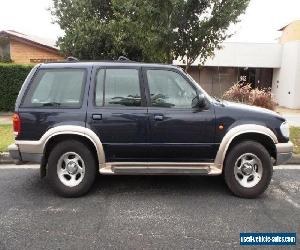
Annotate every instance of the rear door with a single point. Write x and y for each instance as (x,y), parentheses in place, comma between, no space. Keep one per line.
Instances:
(178,132)
(117,112)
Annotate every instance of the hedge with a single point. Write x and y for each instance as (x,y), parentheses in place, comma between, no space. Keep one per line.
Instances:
(12,77)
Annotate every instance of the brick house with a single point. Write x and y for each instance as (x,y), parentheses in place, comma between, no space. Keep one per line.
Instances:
(24,49)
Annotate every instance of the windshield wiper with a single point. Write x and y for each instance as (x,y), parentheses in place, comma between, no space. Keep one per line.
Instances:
(51,104)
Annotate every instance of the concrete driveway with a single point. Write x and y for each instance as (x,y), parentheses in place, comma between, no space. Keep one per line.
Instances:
(141,212)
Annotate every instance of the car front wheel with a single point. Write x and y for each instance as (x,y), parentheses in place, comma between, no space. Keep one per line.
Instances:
(248,169)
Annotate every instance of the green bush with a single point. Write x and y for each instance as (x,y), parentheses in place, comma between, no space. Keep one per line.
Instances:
(12,77)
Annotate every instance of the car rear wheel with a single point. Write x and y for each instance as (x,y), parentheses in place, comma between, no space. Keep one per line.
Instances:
(248,169)
(71,168)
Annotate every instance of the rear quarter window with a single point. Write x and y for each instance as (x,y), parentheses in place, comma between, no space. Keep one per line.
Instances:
(56,88)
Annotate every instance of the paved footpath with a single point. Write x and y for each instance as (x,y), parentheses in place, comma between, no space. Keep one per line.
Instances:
(293,119)
(142,212)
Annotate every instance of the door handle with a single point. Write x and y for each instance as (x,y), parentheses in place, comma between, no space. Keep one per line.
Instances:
(97,116)
(158,117)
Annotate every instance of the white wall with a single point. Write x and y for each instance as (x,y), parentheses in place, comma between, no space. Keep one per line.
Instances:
(286,80)
(258,55)
(283,58)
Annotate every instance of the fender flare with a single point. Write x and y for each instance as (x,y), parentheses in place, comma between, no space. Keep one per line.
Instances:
(39,146)
(236,131)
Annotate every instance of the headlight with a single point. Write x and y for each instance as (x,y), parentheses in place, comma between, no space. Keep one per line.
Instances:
(285,130)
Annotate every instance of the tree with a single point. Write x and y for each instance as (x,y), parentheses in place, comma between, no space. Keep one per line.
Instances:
(145,30)
(201,26)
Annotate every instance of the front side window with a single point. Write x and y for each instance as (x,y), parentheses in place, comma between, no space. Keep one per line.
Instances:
(169,89)
(117,87)
(56,88)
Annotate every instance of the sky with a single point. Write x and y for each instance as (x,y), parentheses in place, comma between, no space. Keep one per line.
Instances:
(259,24)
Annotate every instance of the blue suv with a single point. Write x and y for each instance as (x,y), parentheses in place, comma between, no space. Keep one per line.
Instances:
(78,119)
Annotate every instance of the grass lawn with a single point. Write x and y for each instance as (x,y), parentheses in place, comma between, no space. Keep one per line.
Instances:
(295,138)
(6,136)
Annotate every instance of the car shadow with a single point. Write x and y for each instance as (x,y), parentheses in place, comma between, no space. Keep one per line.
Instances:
(193,185)
(158,184)
(130,187)
(105,185)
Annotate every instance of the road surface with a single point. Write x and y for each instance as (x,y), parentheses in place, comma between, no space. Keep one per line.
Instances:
(141,212)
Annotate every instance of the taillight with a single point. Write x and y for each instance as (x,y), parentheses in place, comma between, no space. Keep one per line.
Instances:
(16,124)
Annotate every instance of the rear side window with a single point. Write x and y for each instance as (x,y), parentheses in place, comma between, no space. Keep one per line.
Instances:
(117,87)
(56,88)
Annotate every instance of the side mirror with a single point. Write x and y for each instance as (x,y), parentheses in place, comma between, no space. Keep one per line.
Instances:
(199,101)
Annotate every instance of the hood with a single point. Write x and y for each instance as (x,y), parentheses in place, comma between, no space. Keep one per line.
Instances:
(250,109)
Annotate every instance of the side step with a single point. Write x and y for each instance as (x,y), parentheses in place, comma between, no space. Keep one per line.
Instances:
(159,168)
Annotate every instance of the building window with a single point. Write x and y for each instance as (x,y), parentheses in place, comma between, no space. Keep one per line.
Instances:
(4,50)
(257,77)
(217,80)
(42,60)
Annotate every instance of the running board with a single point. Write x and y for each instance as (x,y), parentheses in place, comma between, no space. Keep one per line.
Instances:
(159,168)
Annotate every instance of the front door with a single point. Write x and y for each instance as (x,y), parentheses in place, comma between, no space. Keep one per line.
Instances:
(117,112)
(178,132)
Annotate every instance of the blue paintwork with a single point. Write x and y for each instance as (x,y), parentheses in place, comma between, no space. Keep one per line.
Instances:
(233,114)
(132,133)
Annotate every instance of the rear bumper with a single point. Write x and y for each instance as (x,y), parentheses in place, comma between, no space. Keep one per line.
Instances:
(16,154)
(284,152)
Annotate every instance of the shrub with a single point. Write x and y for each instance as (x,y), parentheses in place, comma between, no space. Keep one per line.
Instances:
(11,78)
(238,93)
(262,98)
(245,94)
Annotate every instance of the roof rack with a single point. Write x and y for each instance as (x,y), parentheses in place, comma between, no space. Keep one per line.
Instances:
(123,58)
(120,59)
(72,59)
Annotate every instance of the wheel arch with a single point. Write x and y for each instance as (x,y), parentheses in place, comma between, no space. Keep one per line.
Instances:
(59,133)
(50,144)
(244,132)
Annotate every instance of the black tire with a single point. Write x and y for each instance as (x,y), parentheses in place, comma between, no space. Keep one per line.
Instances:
(89,174)
(232,157)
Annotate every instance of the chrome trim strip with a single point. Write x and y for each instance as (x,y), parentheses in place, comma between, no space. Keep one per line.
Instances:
(37,147)
(236,131)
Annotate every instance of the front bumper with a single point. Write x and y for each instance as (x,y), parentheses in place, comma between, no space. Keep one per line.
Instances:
(16,154)
(284,152)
